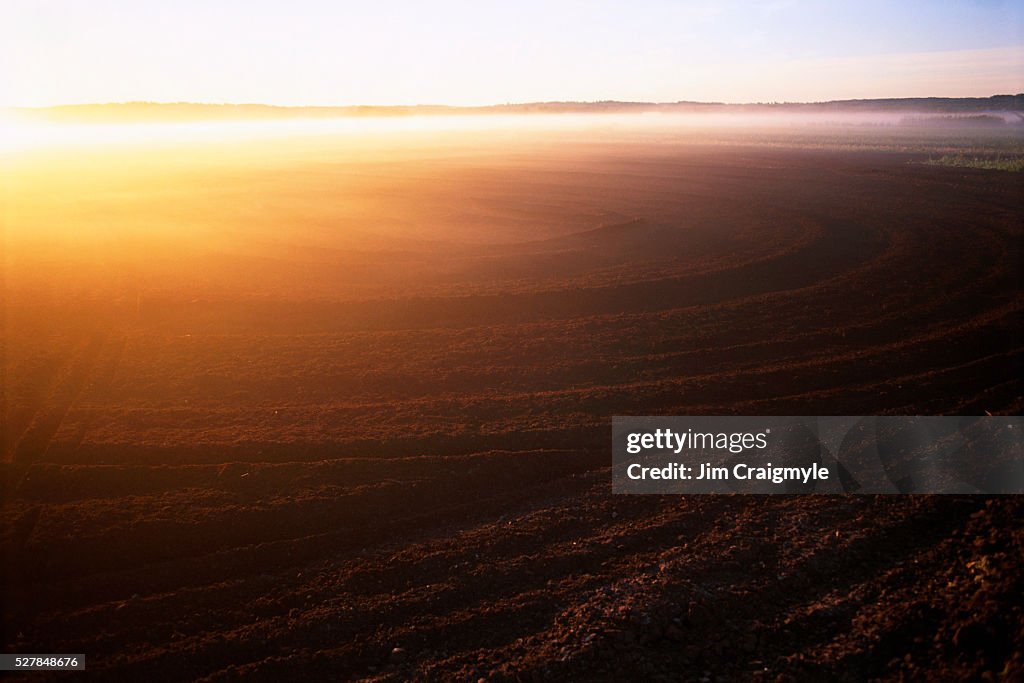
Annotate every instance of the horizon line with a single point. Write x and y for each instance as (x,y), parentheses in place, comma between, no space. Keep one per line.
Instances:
(493,105)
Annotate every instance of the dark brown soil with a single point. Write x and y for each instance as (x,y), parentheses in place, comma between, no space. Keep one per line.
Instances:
(411,480)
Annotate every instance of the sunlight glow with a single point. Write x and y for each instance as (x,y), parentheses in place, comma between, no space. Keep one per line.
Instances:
(21,134)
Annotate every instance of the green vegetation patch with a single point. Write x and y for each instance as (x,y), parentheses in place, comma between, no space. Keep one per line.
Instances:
(998,163)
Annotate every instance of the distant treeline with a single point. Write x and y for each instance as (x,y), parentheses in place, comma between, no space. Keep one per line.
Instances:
(189,111)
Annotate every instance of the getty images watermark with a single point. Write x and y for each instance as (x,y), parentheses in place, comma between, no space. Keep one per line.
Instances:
(818,454)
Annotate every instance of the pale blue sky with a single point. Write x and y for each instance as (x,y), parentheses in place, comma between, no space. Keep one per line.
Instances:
(480,52)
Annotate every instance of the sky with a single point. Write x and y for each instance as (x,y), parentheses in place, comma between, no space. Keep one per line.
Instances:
(467,52)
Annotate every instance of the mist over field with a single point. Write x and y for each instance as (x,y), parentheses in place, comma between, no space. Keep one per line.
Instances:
(166,196)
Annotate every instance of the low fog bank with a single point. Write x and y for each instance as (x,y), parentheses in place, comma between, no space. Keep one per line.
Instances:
(25,132)
(1006,107)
